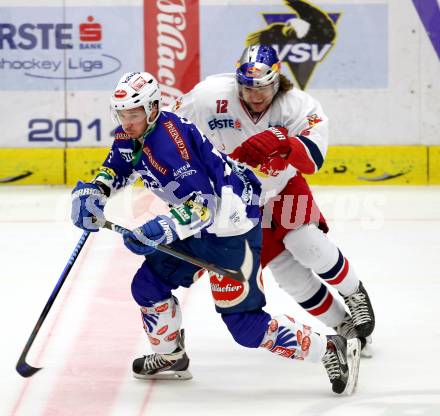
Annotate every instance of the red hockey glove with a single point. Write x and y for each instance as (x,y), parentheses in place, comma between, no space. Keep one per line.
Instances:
(259,148)
(240,155)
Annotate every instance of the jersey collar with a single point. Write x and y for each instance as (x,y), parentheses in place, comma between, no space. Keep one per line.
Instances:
(246,110)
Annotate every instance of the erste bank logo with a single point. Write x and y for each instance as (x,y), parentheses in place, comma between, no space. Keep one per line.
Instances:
(55,50)
(90,34)
(302,38)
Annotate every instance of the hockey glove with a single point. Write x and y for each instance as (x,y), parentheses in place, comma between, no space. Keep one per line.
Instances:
(145,239)
(88,202)
(260,147)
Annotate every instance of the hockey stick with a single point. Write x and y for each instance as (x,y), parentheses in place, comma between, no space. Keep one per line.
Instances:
(233,274)
(22,367)
(16,177)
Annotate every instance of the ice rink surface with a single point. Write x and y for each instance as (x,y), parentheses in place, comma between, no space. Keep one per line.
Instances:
(391,235)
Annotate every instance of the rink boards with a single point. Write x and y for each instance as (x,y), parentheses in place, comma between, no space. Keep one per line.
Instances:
(344,165)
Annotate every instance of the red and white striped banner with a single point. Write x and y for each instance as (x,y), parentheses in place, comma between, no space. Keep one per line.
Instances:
(171,39)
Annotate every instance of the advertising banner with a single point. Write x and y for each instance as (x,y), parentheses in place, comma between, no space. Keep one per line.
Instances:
(373,65)
(333,46)
(172,45)
(73,48)
(57,69)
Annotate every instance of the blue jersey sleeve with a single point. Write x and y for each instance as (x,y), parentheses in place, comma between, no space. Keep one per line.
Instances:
(117,170)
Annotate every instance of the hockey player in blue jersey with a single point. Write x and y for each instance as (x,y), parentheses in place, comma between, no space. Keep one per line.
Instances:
(214,215)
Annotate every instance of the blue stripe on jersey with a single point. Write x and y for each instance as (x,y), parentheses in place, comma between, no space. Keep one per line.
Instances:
(335,269)
(314,150)
(316,299)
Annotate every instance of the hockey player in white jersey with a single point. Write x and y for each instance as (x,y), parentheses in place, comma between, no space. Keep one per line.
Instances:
(257,117)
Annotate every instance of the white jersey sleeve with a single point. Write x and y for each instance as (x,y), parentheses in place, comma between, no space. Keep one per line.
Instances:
(185,106)
(197,103)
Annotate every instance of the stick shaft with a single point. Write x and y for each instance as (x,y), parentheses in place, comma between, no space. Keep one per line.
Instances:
(236,275)
(22,367)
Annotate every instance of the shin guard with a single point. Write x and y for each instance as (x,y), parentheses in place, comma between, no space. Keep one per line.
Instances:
(290,339)
(162,323)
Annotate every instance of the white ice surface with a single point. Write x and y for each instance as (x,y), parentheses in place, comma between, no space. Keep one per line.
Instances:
(93,332)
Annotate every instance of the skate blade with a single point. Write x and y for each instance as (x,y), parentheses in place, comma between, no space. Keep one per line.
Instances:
(174,375)
(353,359)
(367,351)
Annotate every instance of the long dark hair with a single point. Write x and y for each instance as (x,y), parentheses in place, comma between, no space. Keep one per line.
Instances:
(285,84)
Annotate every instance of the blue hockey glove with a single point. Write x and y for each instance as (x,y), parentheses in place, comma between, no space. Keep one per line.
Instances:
(88,206)
(145,239)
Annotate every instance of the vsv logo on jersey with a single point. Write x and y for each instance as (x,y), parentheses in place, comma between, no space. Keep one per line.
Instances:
(31,48)
(302,39)
(126,154)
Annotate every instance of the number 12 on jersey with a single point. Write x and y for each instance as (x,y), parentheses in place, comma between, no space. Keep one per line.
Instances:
(222,106)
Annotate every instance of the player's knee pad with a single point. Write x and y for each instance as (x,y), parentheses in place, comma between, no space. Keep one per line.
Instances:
(290,339)
(311,247)
(247,328)
(147,289)
(297,280)
(162,322)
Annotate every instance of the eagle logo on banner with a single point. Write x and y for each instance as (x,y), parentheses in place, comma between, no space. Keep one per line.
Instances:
(302,39)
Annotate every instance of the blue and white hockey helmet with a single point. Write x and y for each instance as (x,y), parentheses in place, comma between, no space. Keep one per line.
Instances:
(258,66)
(136,89)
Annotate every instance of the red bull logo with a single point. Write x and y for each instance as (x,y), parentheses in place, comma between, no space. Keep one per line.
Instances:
(252,71)
(313,120)
(271,167)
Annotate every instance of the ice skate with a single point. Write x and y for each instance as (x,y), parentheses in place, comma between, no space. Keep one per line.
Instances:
(341,362)
(366,349)
(347,329)
(173,366)
(361,311)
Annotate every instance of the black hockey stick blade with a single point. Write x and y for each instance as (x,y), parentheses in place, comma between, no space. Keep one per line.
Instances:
(233,274)
(26,370)
(10,179)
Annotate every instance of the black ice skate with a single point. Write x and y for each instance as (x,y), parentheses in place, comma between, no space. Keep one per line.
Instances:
(173,366)
(341,362)
(347,329)
(361,311)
